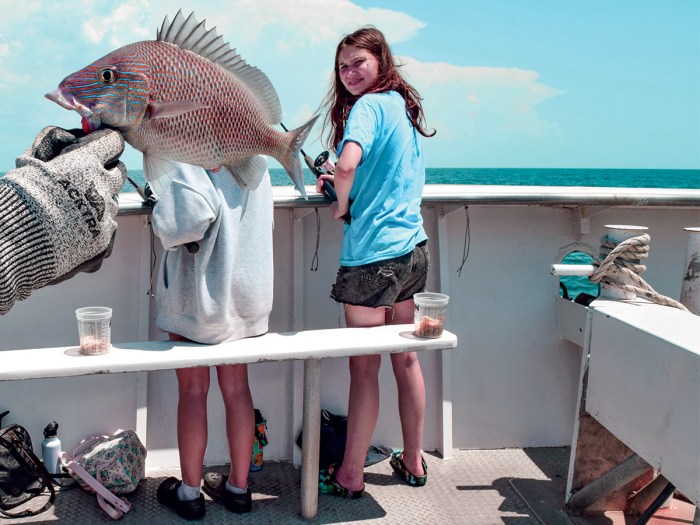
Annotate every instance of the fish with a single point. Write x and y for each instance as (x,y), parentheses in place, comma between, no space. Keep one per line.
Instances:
(187,96)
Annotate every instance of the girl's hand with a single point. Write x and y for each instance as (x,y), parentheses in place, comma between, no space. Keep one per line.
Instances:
(324,177)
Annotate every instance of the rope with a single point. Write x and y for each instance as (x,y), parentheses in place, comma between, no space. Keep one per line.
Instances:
(618,266)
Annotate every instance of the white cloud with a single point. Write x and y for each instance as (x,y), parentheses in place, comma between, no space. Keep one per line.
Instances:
(306,23)
(92,33)
(128,22)
(486,101)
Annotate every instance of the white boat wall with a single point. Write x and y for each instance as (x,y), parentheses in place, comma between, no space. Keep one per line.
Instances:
(512,381)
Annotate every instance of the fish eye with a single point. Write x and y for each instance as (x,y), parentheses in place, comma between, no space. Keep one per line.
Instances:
(107,75)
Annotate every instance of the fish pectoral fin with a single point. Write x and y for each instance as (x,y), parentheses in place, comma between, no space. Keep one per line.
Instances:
(173,108)
(158,173)
(248,172)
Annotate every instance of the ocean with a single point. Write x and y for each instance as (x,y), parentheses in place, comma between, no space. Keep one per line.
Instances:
(616,178)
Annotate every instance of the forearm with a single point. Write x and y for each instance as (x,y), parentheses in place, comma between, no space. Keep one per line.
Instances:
(344,178)
(185,210)
(27,261)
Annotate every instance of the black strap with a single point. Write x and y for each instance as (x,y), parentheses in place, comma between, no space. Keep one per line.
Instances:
(28,459)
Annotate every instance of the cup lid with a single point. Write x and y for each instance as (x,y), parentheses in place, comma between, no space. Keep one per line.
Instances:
(93,313)
(431,299)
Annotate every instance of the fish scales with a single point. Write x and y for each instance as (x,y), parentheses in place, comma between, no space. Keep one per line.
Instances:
(213,135)
(204,106)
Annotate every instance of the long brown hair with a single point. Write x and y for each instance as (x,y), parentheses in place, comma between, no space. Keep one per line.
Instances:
(339,101)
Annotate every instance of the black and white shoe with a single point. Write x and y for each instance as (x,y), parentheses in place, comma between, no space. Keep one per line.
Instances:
(167,495)
(215,486)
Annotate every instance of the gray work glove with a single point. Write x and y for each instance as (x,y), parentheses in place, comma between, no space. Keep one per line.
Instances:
(59,207)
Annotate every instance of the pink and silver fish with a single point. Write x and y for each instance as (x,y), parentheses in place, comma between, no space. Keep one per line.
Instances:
(187,96)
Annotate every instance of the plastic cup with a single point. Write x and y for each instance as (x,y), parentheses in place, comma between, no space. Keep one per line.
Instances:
(429,314)
(94,329)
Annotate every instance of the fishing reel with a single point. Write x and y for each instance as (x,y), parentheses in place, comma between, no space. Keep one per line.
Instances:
(320,167)
(316,167)
(321,160)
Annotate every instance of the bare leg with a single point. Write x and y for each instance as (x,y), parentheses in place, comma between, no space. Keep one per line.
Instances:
(192,422)
(363,403)
(411,391)
(240,420)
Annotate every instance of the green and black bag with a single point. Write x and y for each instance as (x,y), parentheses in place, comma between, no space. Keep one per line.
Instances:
(22,474)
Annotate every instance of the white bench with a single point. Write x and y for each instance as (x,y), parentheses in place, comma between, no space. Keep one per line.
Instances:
(310,346)
(640,380)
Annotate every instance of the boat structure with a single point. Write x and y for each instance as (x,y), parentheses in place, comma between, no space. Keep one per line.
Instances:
(549,408)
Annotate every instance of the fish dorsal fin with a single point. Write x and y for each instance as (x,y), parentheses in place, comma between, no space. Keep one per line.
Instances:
(192,35)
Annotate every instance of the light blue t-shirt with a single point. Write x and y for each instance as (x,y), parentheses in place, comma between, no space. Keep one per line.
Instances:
(388,187)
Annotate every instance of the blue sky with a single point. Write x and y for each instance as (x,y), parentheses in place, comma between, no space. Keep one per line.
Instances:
(506,83)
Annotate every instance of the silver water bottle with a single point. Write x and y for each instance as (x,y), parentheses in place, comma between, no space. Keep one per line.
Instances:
(51,449)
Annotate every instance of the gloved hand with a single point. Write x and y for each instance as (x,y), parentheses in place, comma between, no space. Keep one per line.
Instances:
(58,208)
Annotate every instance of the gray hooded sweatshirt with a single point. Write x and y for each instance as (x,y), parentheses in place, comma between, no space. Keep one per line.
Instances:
(223,292)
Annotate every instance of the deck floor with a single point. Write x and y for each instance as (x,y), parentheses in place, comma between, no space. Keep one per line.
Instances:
(475,487)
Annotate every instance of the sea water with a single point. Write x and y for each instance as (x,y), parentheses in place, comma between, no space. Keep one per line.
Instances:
(614,178)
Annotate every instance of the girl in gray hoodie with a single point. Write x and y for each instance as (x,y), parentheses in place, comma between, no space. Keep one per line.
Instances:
(215,285)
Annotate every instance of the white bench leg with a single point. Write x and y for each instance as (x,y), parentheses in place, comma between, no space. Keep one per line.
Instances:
(142,409)
(311,428)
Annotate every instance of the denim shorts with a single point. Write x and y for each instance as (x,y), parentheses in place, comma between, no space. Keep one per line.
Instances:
(383,283)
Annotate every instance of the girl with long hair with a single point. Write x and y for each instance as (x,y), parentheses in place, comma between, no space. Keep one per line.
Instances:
(375,122)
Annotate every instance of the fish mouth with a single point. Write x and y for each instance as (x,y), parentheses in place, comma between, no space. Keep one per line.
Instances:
(64,98)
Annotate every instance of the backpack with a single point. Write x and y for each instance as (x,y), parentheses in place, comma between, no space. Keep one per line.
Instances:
(22,474)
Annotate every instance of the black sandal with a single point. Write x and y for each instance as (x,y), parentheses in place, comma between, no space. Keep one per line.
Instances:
(327,484)
(402,472)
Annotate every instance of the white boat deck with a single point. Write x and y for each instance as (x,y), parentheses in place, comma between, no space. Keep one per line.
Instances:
(473,487)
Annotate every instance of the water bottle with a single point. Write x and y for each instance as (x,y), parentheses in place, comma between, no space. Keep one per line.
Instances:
(51,449)
(259,442)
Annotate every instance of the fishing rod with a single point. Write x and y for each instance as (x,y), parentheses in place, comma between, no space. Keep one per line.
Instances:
(315,167)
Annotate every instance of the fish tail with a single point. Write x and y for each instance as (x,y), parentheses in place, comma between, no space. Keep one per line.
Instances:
(292,161)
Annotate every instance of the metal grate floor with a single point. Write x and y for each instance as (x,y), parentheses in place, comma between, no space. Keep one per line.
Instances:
(475,487)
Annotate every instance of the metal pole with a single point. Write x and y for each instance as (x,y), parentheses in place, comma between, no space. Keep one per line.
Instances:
(581,270)
(312,438)
(660,499)
(690,288)
(618,476)
(643,499)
